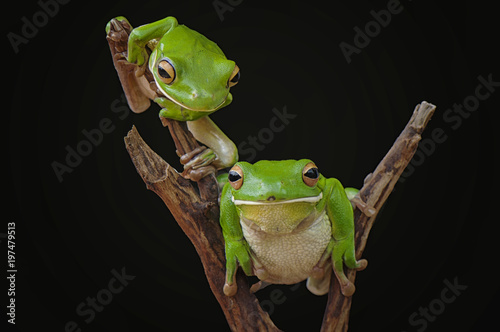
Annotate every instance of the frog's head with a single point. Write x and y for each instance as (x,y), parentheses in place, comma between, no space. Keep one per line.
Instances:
(192,71)
(276,195)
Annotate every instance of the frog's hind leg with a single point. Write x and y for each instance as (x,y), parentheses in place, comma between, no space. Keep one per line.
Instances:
(333,259)
(319,282)
(223,152)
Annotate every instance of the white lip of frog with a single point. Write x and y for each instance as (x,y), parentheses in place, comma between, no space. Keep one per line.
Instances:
(312,199)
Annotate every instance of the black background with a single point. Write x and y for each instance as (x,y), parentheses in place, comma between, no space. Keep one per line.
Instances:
(438,224)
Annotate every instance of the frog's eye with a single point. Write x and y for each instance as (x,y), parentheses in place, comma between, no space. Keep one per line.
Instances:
(236,177)
(310,174)
(235,77)
(166,71)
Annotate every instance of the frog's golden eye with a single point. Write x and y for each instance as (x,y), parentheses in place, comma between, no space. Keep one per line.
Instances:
(310,174)
(235,177)
(235,77)
(166,71)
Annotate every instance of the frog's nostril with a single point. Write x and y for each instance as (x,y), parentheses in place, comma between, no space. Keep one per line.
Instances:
(271,198)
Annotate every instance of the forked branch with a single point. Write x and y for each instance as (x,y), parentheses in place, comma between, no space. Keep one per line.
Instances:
(195,208)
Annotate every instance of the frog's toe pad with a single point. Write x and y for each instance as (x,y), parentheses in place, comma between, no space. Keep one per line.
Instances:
(348,289)
(362,264)
(199,173)
(230,290)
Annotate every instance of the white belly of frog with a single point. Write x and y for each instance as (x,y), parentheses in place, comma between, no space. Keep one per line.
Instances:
(288,258)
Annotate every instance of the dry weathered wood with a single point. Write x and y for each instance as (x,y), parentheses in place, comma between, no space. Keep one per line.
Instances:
(375,192)
(199,219)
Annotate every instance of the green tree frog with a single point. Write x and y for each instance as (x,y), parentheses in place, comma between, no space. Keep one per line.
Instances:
(284,222)
(189,77)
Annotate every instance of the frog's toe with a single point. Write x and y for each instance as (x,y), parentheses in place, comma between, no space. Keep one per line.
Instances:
(199,157)
(347,288)
(259,285)
(197,163)
(319,281)
(361,265)
(198,174)
(261,273)
(368,210)
(230,289)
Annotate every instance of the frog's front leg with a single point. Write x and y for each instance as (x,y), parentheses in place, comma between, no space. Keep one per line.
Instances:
(236,247)
(340,213)
(140,38)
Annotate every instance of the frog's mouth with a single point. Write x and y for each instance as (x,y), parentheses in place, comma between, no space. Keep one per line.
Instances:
(269,201)
(194,96)
(278,217)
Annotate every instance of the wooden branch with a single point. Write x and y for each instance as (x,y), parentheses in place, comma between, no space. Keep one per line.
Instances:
(376,189)
(196,210)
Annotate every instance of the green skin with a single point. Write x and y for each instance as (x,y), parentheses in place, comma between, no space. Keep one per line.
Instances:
(200,87)
(268,185)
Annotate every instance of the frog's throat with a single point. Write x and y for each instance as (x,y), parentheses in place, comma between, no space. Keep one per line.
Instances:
(186,107)
(312,199)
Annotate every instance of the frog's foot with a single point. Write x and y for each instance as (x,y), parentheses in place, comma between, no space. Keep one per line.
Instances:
(259,285)
(230,286)
(318,282)
(346,286)
(199,157)
(118,30)
(357,202)
(197,163)
(343,252)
